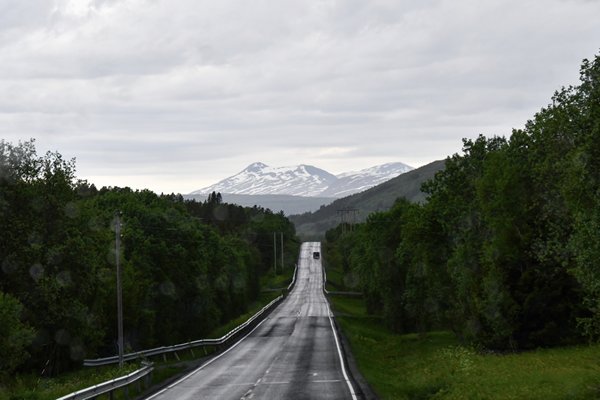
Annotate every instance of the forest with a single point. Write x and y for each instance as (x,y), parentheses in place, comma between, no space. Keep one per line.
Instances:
(505,250)
(188,267)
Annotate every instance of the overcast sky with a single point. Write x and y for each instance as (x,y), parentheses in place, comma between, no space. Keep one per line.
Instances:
(174,95)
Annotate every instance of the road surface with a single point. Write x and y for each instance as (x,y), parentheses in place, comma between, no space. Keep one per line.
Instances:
(293,354)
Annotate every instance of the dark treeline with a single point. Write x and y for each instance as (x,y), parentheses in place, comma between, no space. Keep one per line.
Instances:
(506,251)
(187,267)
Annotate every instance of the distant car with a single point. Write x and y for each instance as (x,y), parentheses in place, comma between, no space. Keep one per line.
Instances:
(316,255)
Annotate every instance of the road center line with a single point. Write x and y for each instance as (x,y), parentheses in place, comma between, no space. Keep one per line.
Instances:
(206,363)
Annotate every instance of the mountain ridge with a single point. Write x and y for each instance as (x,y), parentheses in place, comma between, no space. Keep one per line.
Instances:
(303,180)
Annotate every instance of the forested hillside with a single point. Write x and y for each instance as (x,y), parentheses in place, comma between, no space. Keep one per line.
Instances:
(187,266)
(505,250)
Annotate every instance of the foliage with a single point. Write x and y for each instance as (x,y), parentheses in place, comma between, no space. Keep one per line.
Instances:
(15,335)
(407,366)
(504,252)
(32,387)
(187,267)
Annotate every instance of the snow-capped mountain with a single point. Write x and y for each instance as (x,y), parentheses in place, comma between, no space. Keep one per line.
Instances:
(259,178)
(357,181)
(303,180)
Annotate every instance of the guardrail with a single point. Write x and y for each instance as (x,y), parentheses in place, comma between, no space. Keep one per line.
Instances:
(163,350)
(293,282)
(324,279)
(110,386)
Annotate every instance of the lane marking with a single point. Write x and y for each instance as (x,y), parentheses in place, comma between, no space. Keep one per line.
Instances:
(337,344)
(282,383)
(294,291)
(249,394)
(207,363)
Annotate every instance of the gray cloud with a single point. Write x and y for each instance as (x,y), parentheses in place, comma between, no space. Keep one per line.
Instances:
(176,94)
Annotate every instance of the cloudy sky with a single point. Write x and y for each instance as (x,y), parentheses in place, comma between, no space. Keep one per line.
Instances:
(173,95)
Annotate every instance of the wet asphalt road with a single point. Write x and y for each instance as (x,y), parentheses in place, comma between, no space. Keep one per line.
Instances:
(293,354)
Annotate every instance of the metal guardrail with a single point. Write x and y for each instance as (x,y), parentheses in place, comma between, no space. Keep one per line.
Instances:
(293,282)
(184,346)
(324,280)
(288,288)
(109,386)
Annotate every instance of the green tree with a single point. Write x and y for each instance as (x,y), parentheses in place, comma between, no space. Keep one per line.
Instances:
(15,335)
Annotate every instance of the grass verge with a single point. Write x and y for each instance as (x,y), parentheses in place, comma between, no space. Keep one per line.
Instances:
(438,367)
(30,387)
(281,280)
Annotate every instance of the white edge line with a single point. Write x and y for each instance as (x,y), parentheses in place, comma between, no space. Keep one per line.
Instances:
(205,364)
(337,344)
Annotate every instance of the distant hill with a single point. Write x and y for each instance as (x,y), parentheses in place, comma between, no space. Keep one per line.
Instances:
(378,198)
(275,202)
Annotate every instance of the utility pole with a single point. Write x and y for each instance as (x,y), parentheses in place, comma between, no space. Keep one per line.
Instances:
(281,251)
(348,218)
(275,252)
(119,288)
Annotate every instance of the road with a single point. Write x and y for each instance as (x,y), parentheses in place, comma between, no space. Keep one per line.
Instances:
(293,354)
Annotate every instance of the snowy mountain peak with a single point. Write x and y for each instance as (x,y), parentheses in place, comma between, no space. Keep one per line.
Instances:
(380,170)
(256,167)
(303,180)
(357,181)
(259,178)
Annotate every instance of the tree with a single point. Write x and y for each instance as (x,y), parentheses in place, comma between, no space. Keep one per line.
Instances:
(15,335)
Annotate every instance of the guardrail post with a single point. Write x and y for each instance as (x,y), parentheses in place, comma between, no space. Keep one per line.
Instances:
(111,395)
(176,356)
(148,380)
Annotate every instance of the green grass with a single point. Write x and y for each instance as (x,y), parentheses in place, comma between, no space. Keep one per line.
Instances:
(30,387)
(438,367)
(279,281)
(335,280)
